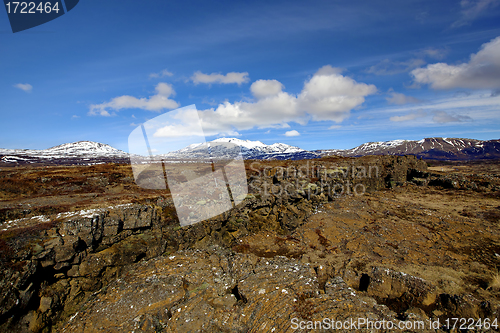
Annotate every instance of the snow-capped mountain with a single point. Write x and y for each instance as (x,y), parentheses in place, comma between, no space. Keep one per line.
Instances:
(81,152)
(429,148)
(230,147)
(261,151)
(88,152)
(85,148)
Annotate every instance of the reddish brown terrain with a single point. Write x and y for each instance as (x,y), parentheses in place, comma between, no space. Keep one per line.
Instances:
(84,249)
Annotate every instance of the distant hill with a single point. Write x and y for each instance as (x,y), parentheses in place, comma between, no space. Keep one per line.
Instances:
(429,148)
(88,152)
(254,150)
(81,152)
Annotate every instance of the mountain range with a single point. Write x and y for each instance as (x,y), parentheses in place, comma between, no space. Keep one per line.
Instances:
(88,152)
(81,152)
(429,148)
(250,150)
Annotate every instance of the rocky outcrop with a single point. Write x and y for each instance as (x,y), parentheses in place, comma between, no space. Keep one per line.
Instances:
(78,260)
(218,291)
(83,245)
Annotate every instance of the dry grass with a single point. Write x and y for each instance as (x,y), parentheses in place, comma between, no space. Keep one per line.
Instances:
(494,281)
(442,169)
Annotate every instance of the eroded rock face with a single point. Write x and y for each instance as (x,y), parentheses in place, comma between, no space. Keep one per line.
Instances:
(81,245)
(139,269)
(218,291)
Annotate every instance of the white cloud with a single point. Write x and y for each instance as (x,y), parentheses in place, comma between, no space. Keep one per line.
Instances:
(472,9)
(388,67)
(444,117)
(398,98)
(157,102)
(24,86)
(328,95)
(266,88)
(292,133)
(410,116)
(163,73)
(267,112)
(334,127)
(178,131)
(392,67)
(75,116)
(232,77)
(481,72)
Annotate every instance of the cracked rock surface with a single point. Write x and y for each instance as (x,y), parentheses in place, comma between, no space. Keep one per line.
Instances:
(219,291)
(416,246)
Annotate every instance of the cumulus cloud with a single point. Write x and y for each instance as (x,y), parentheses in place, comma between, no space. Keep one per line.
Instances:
(24,86)
(410,116)
(330,96)
(327,95)
(232,77)
(163,73)
(472,9)
(481,72)
(263,113)
(266,88)
(292,133)
(398,98)
(443,117)
(158,102)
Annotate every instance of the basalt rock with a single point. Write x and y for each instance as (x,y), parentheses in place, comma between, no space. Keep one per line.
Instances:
(132,267)
(214,291)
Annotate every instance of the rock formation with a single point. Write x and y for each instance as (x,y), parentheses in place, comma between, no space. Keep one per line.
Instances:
(253,269)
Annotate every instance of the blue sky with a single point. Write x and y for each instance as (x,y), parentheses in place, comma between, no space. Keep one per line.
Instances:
(315,74)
